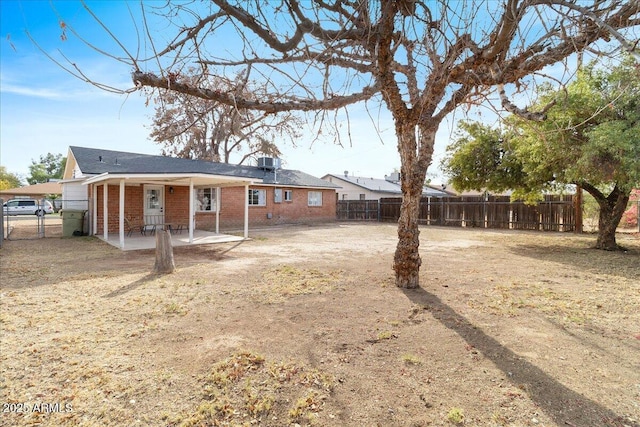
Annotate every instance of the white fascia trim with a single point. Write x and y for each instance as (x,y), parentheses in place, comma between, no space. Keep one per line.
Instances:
(310,187)
(80,179)
(143,177)
(96,178)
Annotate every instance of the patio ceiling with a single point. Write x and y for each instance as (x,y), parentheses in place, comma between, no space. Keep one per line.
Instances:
(170,179)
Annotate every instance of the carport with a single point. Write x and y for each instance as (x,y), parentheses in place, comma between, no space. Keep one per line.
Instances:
(163,181)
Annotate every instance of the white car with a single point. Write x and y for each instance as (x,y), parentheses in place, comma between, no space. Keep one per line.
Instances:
(27,207)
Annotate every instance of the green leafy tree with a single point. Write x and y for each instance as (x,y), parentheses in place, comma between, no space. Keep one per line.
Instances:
(479,159)
(8,179)
(590,138)
(48,167)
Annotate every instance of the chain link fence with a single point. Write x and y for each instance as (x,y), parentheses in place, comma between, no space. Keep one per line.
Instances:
(28,226)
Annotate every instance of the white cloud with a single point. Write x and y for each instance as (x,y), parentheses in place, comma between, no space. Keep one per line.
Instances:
(46,93)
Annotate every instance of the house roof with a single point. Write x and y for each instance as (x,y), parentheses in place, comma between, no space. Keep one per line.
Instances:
(371,184)
(383,185)
(93,162)
(34,190)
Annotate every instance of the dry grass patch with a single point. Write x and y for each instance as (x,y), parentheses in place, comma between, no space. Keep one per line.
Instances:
(246,389)
(73,342)
(283,282)
(561,303)
(411,359)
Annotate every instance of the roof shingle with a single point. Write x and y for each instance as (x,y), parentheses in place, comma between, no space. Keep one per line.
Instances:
(92,161)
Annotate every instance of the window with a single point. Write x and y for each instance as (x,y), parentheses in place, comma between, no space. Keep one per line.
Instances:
(257,197)
(288,195)
(277,195)
(205,199)
(153,199)
(315,198)
(362,197)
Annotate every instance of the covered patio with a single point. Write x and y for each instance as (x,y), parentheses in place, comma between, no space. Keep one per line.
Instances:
(163,181)
(140,242)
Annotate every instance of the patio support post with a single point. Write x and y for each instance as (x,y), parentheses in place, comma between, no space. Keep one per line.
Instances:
(191,211)
(217,210)
(121,214)
(246,211)
(94,196)
(105,211)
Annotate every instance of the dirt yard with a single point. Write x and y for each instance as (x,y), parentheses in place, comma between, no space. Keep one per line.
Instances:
(304,326)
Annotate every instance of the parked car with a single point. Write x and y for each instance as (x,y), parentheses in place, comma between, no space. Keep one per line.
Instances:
(27,207)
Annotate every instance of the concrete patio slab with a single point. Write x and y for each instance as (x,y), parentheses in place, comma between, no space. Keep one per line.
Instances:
(139,242)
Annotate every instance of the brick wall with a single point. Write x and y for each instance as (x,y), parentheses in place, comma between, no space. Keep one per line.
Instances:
(296,211)
(133,205)
(176,207)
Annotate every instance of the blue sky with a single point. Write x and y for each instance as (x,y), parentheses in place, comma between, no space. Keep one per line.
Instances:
(44,109)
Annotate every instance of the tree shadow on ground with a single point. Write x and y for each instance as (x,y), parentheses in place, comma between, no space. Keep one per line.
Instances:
(563,405)
(192,254)
(624,264)
(133,285)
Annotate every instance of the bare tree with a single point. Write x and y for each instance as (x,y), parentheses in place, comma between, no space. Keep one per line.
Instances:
(422,59)
(197,128)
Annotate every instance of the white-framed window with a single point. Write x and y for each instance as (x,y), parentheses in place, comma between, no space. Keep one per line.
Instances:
(315,198)
(257,197)
(277,195)
(205,199)
(288,195)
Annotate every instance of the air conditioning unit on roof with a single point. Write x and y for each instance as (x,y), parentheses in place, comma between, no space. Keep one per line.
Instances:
(394,177)
(269,163)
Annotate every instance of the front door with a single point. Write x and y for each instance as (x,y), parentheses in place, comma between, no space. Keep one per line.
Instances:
(154,204)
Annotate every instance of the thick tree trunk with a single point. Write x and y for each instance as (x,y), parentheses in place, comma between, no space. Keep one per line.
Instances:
(611,210)
(164,253)
(407,261)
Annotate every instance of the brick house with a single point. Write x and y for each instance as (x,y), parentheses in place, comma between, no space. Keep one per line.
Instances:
(119,187)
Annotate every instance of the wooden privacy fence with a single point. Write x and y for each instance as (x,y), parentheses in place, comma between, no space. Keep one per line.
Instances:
(555,213)
(362,210)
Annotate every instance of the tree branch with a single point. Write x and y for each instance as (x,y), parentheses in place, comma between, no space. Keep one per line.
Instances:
(536,116)
(633,7)
(593,190)
(141,79)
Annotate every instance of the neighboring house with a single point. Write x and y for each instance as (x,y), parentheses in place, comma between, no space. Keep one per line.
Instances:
(361,188)
(115,186)
(474,193)
(36,191)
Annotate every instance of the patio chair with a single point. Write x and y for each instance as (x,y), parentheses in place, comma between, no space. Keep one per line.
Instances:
(133,225)
(179,226)
(176,225)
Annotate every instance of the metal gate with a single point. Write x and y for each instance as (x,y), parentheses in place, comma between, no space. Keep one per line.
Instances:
(27,227)
(30,226)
